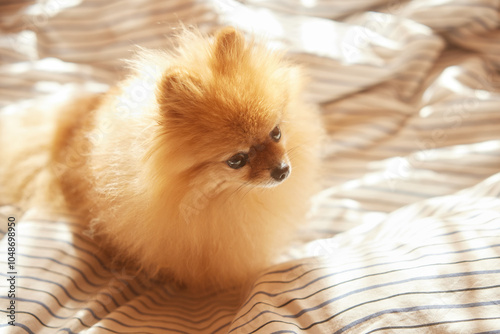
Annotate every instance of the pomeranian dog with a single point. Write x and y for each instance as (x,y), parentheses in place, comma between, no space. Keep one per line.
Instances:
(198,167)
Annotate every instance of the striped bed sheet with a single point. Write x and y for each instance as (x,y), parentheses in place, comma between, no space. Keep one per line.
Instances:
(404,236)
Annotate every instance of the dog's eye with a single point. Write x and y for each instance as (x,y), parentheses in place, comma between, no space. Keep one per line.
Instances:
(238,160)
(275,134)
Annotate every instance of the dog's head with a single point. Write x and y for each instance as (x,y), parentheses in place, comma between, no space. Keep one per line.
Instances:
(226,112)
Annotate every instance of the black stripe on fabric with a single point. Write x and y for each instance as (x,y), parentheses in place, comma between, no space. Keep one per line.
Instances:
(271,322)
(41,322)
(390,297)
(194,299)
(72,279)
(170,330)
(413,309)
(140,35)
(15,3)
(387,204)
(63,288)
(187,300)
(365,276)
(207,311)
(91,311)
(158,327)
(88,23)
(282,271)
(369,251)
(461,32)
(403,294)
(121,331)
(457,119)
(324,82)
(178,307)
(378,128)
(456,181)
(466,5)
(17,324)
(430,324)
(67,255)
(471,230)
(76,246)
(227,324)
(74,234)
(92,268)
(332,10)
(161,313)
(391,151)
(185,320)
(48,310)
(380,264)
(349,150)
(418,195)
(394,202)
(107,275)
(367,288)
(401,310)
(41,222)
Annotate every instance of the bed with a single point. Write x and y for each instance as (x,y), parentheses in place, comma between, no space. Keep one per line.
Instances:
(404,236)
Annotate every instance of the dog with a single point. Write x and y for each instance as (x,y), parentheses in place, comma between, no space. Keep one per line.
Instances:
(198,167)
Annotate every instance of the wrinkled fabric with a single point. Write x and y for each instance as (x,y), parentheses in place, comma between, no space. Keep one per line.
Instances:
(404,234)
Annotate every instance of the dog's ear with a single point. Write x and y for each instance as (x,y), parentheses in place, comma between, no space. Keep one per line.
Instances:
(180,82)
(229,47)
(178,90)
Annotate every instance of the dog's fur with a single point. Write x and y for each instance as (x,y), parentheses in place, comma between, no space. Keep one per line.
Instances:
(146,164)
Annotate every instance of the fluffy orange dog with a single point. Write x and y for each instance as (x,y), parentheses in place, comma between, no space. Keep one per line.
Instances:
(198,167)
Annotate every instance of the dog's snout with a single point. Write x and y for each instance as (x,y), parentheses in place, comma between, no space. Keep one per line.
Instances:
(281,172)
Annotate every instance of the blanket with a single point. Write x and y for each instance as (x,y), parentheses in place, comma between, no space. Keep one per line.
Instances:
(404,235)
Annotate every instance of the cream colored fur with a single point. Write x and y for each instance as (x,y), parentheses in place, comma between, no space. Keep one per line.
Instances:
(147,167)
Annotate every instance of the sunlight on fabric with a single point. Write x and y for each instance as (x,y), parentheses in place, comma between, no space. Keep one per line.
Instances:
(47,86)
(44,10)
(354,44)
(349,203)
(46,65)
(319,37)
(491,145)
(441,88)
(308,3)
(33,229)
(377,177)
(370,220)
(18,67)
(447,84)
(24,42)
(16,107)
(458,151)
(58,89)
(428,3)
(392,168)
(56,65)
(269,26)
(450,79)
(426,111)
(325,195)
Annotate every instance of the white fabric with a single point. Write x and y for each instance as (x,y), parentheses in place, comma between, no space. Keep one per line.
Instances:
(405,234)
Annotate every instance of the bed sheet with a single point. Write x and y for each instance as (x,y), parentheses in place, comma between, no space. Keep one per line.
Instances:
(404,235)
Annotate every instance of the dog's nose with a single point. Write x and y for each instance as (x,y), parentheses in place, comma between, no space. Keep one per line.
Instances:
(281,172)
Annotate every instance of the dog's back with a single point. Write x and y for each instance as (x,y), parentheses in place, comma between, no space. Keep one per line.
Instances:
(30,140)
